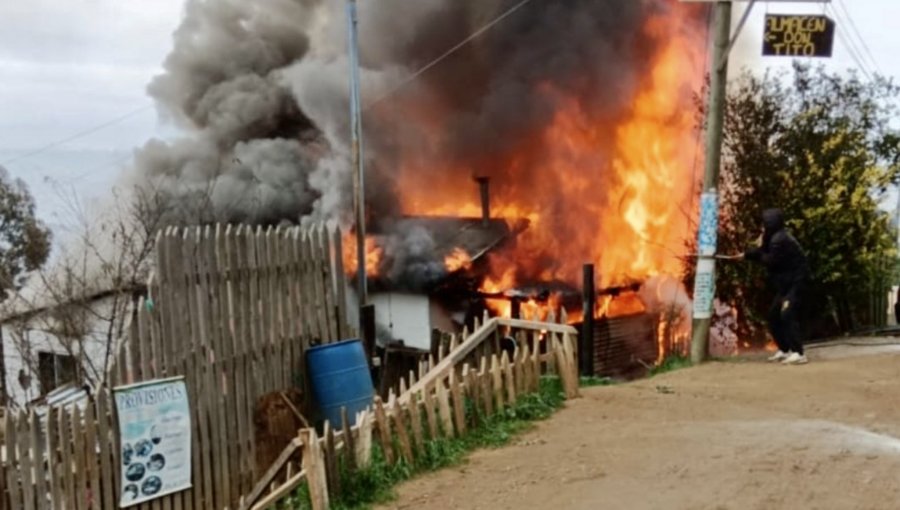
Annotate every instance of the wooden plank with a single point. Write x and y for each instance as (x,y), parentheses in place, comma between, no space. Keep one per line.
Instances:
(140,340)
(430,414)
(337,251)
(106,438)
(53,465)
(518,324)
(164,305)
(220,454)
(415,419)
(200,408)
(41,473)
(265,309)
(187,336)
(288,299)
(364,439)
(487,394)
(497,381)
(567,365)
(470,385)
(328,284)
(13,469)
(459,415)
(26,463)
(287,319)
(518,373)
(384,431)
(203,302)
(508,378)
(244,416)
(294,318)
(320,301)
(80,460)
(334,475)
(91,454)
(232,411)
(443,398)
(240,310)
(349,442)
(314,466)
(305,294)
(400,425)
(306,325)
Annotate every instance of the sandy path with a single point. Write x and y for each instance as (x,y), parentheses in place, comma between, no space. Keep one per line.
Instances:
(742,435)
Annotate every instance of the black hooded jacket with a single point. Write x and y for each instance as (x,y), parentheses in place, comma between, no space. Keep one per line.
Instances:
(780,253)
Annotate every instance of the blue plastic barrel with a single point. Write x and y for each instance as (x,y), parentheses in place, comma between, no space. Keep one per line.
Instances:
(340,377)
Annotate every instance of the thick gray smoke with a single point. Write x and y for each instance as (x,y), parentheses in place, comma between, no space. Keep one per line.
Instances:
(261,90)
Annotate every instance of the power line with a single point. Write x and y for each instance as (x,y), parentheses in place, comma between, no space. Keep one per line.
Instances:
(449,52)
(851,48)
(77,135)
(859,36)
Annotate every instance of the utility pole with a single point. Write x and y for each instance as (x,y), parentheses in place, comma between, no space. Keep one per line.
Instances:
(705,277)
(356,154)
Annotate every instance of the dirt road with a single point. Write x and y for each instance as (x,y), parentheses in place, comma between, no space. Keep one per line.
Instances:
(733,435)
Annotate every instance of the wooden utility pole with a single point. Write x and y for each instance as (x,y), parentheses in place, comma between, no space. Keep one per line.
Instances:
(356,154)
(704,282)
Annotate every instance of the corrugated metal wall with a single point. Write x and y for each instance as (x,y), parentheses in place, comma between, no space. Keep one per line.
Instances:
(624,347)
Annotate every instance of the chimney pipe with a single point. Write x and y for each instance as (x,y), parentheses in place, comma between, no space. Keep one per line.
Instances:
(484,187)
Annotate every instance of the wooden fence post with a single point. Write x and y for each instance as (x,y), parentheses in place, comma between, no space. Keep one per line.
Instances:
(399,416)
(384,431)
(459,414)
(314,466)
(364,440)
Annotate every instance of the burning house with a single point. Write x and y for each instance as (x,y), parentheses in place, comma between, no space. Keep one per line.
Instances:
(425,272)
(580,112)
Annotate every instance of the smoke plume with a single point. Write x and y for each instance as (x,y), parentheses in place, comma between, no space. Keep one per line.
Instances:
(260,89)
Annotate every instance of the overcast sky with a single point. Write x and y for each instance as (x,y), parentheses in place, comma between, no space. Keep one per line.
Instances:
(68,66)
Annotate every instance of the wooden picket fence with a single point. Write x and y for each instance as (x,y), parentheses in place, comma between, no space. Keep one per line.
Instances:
(232,309)
(430,405)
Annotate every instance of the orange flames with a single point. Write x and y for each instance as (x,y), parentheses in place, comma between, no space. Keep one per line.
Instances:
(627,213)
(374,255)
(457,260)
(615,192)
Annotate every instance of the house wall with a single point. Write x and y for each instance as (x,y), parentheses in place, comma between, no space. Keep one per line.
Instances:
(411,317)
(23,341)
(406,316)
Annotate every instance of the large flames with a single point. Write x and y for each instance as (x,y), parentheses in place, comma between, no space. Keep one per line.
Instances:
(616,194)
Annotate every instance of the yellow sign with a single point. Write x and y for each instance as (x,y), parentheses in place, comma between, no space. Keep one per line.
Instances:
(798,36)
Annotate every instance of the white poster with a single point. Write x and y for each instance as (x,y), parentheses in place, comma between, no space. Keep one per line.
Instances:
(155,432)
(704,288)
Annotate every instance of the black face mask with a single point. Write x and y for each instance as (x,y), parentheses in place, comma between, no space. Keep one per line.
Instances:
(773,221)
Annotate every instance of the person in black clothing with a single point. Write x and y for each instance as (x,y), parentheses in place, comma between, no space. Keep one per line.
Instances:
(788,271)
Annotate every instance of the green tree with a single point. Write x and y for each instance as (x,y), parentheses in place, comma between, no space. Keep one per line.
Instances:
(820,148)
(24,240)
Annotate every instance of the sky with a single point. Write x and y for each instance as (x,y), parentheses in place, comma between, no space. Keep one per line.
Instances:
(70,67)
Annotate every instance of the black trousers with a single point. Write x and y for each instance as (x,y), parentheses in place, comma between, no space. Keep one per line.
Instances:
(784,319)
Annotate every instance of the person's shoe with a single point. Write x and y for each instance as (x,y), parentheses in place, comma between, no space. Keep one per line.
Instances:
(779,355)
(795,359)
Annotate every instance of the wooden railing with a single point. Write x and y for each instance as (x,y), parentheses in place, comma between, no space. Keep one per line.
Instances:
(430,405)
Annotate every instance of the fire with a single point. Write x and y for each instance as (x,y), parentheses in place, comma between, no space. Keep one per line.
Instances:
(615,195)
(374,255)
(458,259)
(611,189)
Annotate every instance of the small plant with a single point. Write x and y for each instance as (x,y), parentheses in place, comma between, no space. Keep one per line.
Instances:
(669,364)
(589,381)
